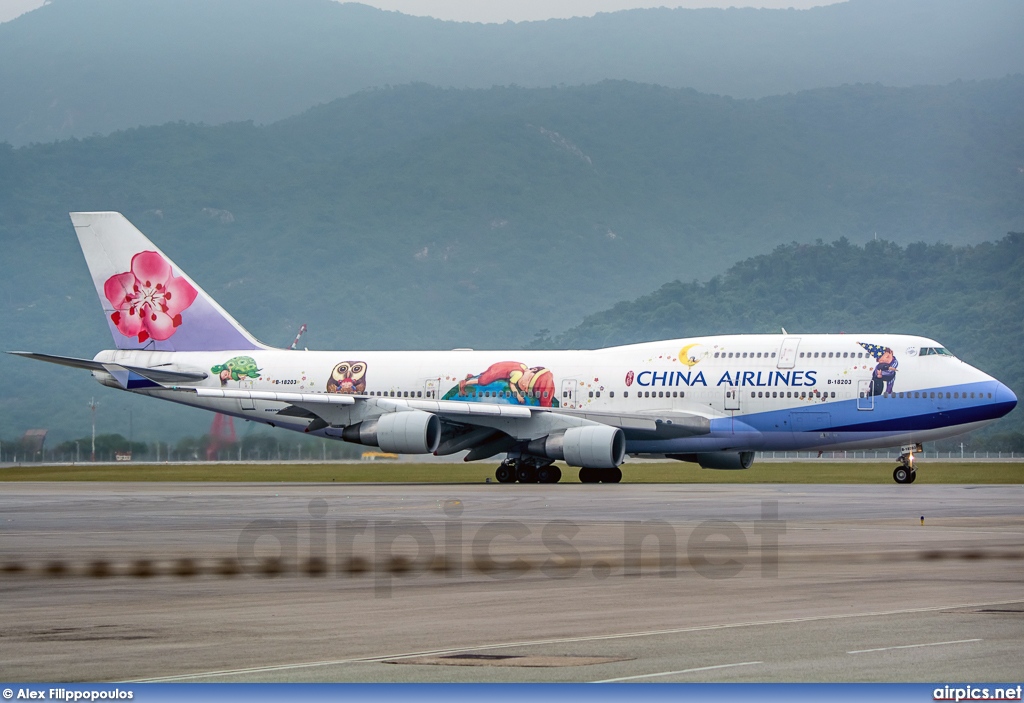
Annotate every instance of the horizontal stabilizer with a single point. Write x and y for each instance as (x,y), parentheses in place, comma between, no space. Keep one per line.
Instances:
(128,377)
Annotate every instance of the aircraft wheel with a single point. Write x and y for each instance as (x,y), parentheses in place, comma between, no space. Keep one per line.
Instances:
(611,475)
(505,474)
(901,475)
(913,477)
(526,474)
(549,474)
(589,476)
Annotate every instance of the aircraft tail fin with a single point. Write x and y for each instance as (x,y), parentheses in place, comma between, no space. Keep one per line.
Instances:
(149,302)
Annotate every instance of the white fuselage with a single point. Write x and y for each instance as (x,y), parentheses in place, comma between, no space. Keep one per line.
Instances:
(758,392)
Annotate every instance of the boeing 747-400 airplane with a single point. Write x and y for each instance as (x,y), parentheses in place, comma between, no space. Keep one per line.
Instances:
(711,400)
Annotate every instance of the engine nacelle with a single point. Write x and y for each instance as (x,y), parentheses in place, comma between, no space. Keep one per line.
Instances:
(410,432)
(593,446)
(718,460)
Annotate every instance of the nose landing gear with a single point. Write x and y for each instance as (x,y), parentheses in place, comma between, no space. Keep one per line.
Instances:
(905,472)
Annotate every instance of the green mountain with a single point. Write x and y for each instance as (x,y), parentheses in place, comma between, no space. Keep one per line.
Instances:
(82,67)
(419,217)
(969,298)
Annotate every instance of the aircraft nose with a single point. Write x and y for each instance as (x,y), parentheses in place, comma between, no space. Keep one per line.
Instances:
(1005,398)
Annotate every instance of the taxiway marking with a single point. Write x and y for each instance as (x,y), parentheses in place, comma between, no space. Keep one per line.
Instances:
(911,646)
(560,640)
(672,673)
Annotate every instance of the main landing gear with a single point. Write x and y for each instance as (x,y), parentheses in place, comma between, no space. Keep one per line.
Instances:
(526,471)
(529,470)
(905,472)
(600,475)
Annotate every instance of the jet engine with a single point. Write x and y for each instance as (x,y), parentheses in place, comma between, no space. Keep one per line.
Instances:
(718,460)
(410,432)
(592,446)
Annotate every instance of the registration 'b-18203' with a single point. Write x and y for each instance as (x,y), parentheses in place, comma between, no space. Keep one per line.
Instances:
(710,400)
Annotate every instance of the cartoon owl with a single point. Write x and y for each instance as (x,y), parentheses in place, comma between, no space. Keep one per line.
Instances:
(348,377)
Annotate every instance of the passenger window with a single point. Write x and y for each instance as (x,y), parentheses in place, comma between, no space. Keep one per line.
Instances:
(972,396)
(591,394)
(753,394)
(661,394)
(625,394)
(933,394)
(682,394)
(611,394)
(773,355)
(716,355)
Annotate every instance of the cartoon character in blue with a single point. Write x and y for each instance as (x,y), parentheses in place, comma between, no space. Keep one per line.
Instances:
(884,374)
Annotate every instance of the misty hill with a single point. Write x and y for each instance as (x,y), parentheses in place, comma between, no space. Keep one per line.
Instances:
(81,67)
(969,298)
(418,217)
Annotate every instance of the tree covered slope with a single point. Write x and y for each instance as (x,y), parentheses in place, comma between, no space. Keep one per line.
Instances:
(81,67)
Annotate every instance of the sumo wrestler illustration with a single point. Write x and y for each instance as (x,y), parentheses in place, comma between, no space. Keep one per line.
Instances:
(884,374)
(511,382)
(236,369)
(348,377)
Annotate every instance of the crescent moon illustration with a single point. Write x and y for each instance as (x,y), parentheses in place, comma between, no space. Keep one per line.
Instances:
(684,358)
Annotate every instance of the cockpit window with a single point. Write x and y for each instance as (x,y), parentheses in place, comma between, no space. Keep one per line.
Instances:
(934,351)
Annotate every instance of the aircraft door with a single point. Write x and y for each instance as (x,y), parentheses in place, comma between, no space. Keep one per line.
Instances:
(865,401)
(568,399)
(787,354)
(432,388)
(732,398)
(246,403)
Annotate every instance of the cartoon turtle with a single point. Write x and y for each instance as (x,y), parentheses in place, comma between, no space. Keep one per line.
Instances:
(236,369)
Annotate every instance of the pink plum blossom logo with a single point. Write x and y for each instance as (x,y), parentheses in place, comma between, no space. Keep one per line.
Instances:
(149,299)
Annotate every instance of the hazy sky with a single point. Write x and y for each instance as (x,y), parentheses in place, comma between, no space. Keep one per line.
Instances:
(504,10)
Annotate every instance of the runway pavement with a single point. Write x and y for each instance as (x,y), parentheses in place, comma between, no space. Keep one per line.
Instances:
(219,582)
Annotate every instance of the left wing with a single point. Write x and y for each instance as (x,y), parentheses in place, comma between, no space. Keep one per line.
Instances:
(517,421)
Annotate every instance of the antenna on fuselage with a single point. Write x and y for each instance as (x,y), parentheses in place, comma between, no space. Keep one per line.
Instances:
(785,332)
